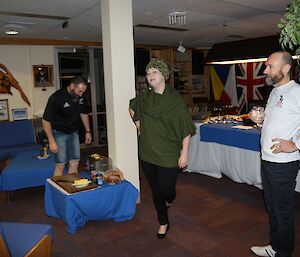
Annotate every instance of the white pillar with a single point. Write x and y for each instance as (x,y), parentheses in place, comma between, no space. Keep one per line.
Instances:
(118,58)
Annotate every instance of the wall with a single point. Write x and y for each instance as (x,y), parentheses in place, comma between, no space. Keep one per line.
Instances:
(19,60)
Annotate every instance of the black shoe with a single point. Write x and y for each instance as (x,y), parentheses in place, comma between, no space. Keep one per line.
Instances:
(161,236)
(168,205)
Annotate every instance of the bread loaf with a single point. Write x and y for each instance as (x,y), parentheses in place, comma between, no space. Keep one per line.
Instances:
(113,176)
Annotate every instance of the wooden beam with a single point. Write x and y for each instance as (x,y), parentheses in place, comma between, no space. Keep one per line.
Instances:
(57,42)
(33,15)
(35,41)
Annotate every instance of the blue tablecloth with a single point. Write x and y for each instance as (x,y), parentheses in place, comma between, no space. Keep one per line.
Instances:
(226,135)
(117,202)
(24,170)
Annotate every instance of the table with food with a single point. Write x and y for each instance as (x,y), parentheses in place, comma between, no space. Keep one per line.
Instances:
(228,145)
(101,192)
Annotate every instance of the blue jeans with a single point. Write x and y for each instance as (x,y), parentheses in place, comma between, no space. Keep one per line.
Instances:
(279,182)
(68,146)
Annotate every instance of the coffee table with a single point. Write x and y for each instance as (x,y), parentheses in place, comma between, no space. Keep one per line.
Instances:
(116,202)
(25,170)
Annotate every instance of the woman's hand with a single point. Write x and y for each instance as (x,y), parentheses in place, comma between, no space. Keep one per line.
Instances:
(183,160)
(131,112)
(137,122)
(184,154)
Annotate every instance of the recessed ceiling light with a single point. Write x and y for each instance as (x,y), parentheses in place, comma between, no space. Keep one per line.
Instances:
(12,32)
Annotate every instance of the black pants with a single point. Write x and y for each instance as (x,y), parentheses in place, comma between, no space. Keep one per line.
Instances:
(162,182)
(279,181)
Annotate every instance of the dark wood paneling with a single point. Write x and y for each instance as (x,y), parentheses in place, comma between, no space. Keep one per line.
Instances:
(34,41)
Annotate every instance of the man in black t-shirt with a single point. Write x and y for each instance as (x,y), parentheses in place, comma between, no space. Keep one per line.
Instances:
(61,121)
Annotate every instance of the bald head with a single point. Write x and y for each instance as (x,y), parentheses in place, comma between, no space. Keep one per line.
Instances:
(287,58)
(284,58)
(278,68)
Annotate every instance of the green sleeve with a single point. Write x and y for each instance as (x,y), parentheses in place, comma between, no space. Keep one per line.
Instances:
(135,105)
(186,126)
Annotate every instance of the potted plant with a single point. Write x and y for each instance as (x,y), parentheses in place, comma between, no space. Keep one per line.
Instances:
(290,29)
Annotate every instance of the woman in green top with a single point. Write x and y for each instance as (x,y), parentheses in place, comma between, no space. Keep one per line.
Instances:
(165,128)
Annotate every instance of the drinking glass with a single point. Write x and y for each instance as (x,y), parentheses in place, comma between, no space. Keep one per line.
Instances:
(258,113)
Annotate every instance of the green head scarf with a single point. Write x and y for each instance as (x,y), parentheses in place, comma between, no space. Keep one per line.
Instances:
(161,66)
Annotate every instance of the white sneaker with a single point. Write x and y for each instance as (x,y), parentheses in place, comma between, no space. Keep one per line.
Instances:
(264,251)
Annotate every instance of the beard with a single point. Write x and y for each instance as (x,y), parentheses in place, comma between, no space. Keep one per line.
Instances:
(75,98)
(272,80)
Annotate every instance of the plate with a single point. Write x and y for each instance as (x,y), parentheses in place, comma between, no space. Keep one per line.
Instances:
(42,157)
(242,127)
(81,185)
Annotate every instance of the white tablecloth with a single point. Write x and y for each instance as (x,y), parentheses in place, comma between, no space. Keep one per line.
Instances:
(212,159)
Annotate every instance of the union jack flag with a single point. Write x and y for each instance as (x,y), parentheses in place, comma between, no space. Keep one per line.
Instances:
(250,81)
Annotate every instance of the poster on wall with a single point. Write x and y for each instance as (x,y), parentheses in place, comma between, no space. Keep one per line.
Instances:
(4,111)
(19,114)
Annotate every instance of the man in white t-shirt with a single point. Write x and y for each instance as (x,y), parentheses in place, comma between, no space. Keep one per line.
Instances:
(280,155)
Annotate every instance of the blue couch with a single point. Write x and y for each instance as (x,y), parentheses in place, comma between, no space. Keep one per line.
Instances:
(16,136)
(25,239)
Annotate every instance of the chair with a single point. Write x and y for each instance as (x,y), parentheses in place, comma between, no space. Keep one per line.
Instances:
(25,240)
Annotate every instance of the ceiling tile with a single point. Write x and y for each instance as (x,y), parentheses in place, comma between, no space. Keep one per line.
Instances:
(229,10)
(268,5)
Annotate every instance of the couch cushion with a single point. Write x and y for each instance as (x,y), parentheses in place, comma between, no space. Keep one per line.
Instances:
(16,133)
(13,150)
(4,154)
(1,231)
(22,237)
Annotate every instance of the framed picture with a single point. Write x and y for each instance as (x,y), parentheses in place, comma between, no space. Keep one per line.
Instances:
(19,114)
(4,112)
(43,75)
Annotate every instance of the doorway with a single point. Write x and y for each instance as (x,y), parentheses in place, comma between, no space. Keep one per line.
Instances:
(86,62)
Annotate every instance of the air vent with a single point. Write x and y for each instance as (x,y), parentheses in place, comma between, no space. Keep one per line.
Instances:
(159,27)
